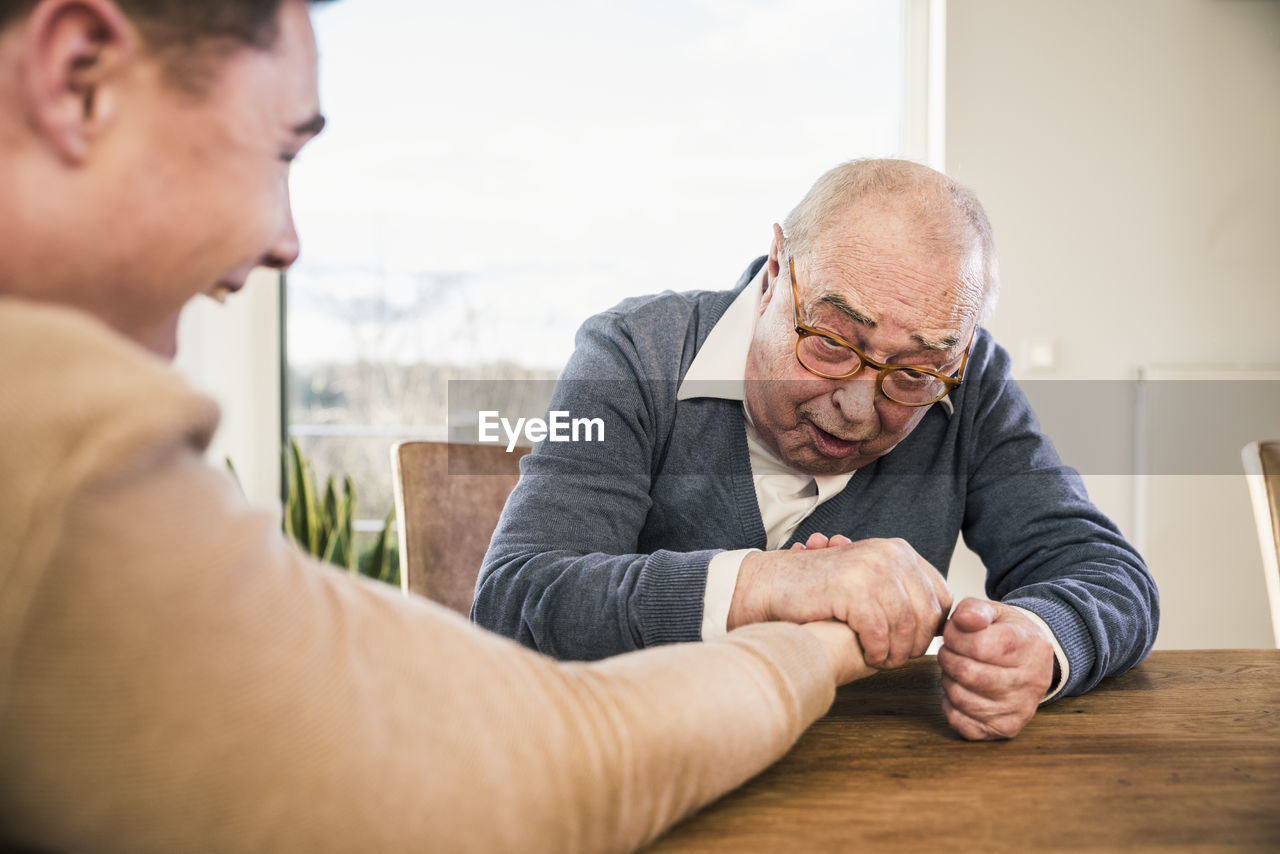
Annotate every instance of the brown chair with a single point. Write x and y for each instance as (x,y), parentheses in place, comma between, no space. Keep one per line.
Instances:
(1262,469)
(448,500)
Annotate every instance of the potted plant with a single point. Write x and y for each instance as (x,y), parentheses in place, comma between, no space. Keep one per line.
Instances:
(323,524)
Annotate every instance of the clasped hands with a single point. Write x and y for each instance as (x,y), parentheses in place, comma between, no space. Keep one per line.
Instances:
(997,663)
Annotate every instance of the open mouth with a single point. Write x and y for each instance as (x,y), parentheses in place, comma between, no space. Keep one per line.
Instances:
(831,445)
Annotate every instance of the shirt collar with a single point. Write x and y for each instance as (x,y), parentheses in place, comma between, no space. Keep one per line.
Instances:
(720,368)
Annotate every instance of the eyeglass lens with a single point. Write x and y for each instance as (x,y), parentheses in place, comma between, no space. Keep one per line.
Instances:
(831,359)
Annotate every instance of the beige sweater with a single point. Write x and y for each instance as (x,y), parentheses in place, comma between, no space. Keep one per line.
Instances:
(175,676)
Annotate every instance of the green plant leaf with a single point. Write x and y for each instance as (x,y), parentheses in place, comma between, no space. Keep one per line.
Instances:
(311,506)
(330,520)
(350,558)
(323,523)
(292,496)
(385,568)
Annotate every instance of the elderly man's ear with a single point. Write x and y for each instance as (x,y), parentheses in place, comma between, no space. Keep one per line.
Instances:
(777,252)
(75,54)
(773,266)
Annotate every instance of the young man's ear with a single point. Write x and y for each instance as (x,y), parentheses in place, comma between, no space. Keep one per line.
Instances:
(75,55)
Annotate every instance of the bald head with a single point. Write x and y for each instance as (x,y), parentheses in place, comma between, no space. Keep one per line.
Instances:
(943,216)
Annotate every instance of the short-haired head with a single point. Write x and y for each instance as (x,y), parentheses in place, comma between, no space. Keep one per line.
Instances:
(945,215)
(189,35)
(185,113)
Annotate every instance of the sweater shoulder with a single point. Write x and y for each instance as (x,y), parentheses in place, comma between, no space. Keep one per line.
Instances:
(988,374)
(667,314)
(658,335)
(71,380)
(79,404)
(988,359)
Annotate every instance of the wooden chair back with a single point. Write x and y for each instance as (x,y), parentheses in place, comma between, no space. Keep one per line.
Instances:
(1262,469)
(448,501)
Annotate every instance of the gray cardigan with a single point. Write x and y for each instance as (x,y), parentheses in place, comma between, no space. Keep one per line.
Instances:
(603,546)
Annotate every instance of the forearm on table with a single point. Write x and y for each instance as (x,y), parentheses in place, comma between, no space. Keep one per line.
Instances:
(1047,547)
(228,693)
(1049,550)
(1073,569)
(562,574)
(1104,619)
(589,606)
(687,723)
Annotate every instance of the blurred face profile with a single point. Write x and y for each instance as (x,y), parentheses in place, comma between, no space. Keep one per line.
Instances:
(212,196)
(133,178)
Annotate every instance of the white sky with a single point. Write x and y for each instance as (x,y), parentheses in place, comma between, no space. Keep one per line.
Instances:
(520,165)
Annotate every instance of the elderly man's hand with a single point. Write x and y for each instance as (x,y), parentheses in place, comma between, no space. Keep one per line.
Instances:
(821,541)
(882,589)
(997,664)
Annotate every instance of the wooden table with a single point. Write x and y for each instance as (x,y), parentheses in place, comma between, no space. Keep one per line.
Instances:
(1180,754)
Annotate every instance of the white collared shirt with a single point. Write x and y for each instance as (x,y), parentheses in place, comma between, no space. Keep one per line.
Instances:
(786,497)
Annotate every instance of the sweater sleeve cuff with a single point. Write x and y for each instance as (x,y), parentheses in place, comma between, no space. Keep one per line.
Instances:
(722,580)
(1073,642)
(669,596)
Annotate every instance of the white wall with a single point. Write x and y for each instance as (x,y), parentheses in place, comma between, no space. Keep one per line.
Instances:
(232,353)
(1128,153)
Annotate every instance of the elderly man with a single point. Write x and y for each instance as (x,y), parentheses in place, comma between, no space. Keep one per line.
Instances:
(844,387)
(174,675)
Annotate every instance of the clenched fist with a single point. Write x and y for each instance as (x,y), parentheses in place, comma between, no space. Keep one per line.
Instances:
(997,664)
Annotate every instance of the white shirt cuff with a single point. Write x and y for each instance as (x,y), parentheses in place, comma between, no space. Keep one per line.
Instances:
(722,578)
(1064,667)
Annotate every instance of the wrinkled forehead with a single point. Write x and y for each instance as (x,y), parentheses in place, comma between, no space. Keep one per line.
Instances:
(888,273)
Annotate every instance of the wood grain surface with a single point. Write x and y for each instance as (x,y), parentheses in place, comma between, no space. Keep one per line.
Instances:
(1180,754)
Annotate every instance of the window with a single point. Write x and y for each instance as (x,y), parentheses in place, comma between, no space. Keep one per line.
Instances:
(495,172)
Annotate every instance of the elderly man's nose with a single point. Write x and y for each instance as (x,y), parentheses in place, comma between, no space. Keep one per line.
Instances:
(856,396)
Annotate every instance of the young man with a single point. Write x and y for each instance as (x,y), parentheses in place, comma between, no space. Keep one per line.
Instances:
(174,675)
